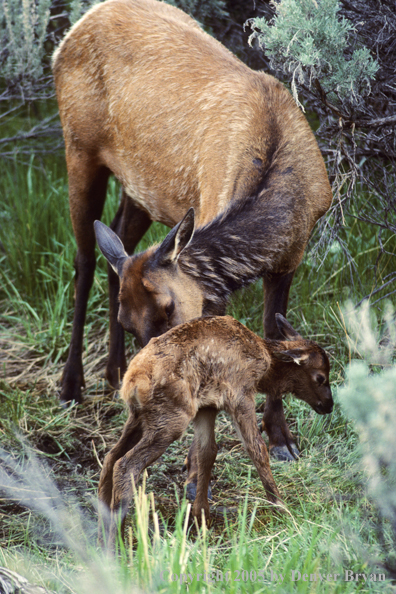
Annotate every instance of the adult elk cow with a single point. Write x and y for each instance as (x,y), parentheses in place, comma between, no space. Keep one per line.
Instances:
(147,95)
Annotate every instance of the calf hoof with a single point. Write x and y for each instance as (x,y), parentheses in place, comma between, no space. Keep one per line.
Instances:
(191,491)
(283,454)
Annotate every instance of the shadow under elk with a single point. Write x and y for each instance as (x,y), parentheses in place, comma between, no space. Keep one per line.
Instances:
(145,94)
(190,374)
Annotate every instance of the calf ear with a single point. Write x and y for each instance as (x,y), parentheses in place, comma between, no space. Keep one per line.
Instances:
(176,240)
(111,246)
(299,356)
(286,329)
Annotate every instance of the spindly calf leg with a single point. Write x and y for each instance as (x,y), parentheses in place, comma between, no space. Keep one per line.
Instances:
(191,464)
(204,436)
(158,434)
(246,424)
(281,442)
(131,435)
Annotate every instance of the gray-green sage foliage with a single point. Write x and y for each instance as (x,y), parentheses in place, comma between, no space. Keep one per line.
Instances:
(368,398)
(308,41)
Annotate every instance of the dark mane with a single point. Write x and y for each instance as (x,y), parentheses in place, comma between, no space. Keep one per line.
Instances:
(239,245)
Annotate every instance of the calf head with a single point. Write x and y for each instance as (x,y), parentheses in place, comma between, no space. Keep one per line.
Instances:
(308,376)
(155,294)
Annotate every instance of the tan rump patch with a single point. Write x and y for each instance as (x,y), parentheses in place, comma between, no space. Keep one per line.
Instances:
(135,389)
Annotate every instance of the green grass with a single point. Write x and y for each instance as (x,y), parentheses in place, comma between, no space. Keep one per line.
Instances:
(329,527)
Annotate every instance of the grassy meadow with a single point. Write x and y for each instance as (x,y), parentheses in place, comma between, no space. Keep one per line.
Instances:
(51,457)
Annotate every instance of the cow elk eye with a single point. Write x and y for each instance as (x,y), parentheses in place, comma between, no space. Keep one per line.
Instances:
(169,309)
(320,379)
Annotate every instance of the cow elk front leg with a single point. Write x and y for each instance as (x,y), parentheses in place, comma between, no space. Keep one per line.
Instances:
(87,192)
(130,224)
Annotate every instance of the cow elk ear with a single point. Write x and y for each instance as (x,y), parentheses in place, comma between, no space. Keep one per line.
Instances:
(111,246)
(176,240)
(298,356)
(286,329)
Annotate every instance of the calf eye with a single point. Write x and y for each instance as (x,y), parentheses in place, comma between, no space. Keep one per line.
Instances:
(320,379)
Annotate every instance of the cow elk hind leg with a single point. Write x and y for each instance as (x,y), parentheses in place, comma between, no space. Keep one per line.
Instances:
(282,445)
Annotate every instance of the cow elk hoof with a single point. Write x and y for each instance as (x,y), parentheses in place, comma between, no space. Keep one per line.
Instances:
(283,454)
(114,377)
(70,394)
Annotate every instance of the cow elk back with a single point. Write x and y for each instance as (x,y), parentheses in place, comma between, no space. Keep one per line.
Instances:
(145,94)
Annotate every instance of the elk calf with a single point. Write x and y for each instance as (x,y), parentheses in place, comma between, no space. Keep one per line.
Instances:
(190,374)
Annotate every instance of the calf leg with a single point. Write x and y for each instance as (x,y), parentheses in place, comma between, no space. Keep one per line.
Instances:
(204,437)
(191,464)
(158,434)
(246,425)
(87,192)
(281,441)
(130,224)
(131,435)
(276,295)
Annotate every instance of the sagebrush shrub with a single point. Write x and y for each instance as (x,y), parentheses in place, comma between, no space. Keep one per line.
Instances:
(309,41)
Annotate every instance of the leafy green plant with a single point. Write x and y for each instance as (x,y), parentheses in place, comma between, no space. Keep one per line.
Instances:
(337,56)
(369,399)
(308,41)
(23,30)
